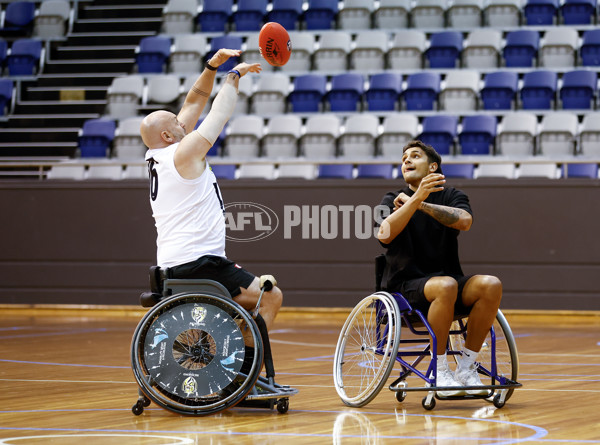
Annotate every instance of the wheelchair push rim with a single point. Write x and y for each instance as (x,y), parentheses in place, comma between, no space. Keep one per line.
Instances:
(366,349)
(196,354)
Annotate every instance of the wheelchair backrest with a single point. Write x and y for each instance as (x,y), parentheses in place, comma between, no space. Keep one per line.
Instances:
(177,286)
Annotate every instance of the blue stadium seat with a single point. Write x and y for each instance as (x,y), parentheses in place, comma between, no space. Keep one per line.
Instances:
(18,19)
(226,41)
(6,93)
(439,131)
(346,92)
(385,171)
(578,89)
(24,57)
(384,91)
(215,15)
(321,14)
(96,137)
(478,135)
(3,53)
(590,48)
(223,171)
(521,48)
(499,89)
(585,170)
(458,170)
(249,15)
(444,49)
(153,54)
(540,12)
(342,171)
(421,91)
(539,90)
(308,92)
(287,13)
(578,12)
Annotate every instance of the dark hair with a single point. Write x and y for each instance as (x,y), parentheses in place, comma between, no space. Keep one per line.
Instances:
(432,155)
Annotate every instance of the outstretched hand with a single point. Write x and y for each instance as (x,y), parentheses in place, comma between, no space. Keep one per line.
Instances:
(244,68)
(222,56)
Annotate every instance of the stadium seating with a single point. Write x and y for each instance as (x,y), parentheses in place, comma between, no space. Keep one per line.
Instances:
(24,57)
(338,171)
(539,90)
(429,14)
(440,131)
(215,15)
(287,13)
(578,12)
(124,96)
(356,14)
(370,48)
(391,14)
(333,51)
(302,52)
(541,12)
(223,171)
(590,48)
(521,47)
(359,136)
(502,13)
(499,90)
(406,50)
(281,139)
(559,47)
(320,137)
(257,171)
(52,19)
(346,92)
(243,137)
(583,170)
(321,14)
(461,91)
(444,49)
(163,89)
(96,138)
(478,134)
(127,142)
(308,92)
(152,54)
(384,171)
(18,19)
(517,135)
(249,15)
(398,129)
(384,91)
(558,134)
(271,94)
(188,52)
(579,89)
(179,16)
(465,14)
(482,49)
(466,171)
(6,94)
(589,136)
(421,91)
(303,171)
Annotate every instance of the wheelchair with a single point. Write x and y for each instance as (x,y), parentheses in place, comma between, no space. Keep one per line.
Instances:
(370,343)
(197,352)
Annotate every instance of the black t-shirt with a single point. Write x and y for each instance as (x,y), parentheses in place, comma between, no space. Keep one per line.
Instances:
(425,247)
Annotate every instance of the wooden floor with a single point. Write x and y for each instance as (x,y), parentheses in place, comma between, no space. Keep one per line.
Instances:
(66,379)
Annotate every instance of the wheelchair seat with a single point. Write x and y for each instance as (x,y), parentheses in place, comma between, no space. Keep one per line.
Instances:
(372,334)
(197,352)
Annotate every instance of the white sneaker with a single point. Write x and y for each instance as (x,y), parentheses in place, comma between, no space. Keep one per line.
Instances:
(470,377)
(445,377)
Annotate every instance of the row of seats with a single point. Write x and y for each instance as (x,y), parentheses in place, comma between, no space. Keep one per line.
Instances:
(459,91)
(249,15)
(509,170)
(376,50)
(24,19)
(325,136)
(6,94)
(24,57)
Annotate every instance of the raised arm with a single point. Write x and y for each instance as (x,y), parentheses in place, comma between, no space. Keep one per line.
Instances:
(198,96)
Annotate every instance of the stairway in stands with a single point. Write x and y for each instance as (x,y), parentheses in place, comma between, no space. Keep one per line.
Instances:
(71,88)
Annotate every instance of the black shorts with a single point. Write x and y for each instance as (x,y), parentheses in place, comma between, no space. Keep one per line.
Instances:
(414,292)
(217,268)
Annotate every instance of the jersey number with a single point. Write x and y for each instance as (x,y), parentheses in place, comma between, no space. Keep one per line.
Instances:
(153,181)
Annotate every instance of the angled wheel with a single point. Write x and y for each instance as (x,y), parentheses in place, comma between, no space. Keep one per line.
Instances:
(366,349)
(196,354)
(507,359)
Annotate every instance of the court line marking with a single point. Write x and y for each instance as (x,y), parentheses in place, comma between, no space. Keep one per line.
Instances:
(173,440)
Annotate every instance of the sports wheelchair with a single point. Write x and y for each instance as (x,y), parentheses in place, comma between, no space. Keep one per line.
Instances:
(368,348)
(197,352)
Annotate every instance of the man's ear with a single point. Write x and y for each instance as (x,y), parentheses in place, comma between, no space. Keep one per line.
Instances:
(433,167)
(166,136)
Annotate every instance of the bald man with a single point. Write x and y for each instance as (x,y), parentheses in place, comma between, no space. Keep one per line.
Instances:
(186,201)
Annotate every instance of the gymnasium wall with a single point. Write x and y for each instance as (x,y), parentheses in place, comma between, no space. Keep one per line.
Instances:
(91,242)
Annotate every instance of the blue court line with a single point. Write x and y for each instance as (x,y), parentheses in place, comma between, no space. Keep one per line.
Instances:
(64,364)
(49,334)
(538,431)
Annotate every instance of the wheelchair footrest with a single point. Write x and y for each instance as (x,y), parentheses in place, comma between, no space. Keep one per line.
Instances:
(268,389)
(511,384)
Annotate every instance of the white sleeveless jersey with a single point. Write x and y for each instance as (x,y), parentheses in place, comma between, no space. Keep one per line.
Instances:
(189,213)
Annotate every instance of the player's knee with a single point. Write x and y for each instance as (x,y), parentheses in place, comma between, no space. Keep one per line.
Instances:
(492,288)
(443,289)
(275,298)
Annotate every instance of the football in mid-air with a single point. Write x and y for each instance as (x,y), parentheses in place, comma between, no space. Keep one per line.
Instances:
(274,44)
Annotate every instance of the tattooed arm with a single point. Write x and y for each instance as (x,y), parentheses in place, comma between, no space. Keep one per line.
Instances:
(449,216)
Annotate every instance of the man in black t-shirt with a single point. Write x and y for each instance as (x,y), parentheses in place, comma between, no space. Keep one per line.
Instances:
(420,236)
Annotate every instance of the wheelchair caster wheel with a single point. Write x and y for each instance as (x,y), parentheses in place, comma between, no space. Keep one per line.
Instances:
(400,396)
(146,402)
(138,408)
(283,405)
(498,401)
(428,405)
